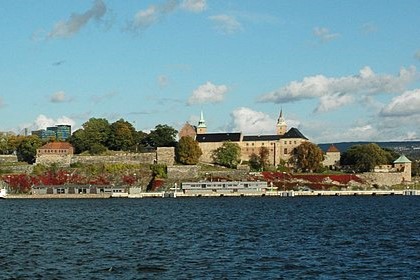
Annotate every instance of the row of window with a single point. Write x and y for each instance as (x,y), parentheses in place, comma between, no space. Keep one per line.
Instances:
(272,143)
(54,151)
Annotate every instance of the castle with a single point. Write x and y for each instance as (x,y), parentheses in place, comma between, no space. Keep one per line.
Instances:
(279,145)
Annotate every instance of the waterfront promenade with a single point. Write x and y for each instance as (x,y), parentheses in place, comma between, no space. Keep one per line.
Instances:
(180,194)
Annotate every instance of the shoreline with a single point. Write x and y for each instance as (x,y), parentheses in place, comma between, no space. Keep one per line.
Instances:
(173,194)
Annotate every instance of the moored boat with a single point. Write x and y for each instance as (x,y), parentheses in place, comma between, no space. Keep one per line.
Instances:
(3,193)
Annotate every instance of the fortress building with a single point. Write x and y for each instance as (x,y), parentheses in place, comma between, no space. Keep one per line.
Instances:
(279,145)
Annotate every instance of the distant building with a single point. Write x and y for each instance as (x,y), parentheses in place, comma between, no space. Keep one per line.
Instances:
(332,157)
(60,132)
(403,165)
(55,152)
(279,145)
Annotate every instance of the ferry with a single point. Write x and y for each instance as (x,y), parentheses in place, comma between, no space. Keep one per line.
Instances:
(224,187)
(3,193)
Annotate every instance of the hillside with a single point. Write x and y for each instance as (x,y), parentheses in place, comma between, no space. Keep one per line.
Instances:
(408,148)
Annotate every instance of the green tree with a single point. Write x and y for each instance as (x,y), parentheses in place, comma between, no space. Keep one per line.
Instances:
(9,143)
(188,151)
(229,155)
(94,131)
(254,162)
(122,136)
(26,151)
(364,158)
(162,136)
(260,161)
(307,157)
(79,141)
(264,153)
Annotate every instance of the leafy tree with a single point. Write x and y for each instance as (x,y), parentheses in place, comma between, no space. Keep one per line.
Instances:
(26,151)
(159,170)
(122,136)
(307,157)
(97,149)
(188,151)
(97,131)
(162,136)
(365,157)
(139,140)
(254,162)
(9,143)
(260,161)
(79,141)
(229,155)
(94,132)
(264,153)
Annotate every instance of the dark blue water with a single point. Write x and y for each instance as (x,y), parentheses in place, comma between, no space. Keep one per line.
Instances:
(216,238)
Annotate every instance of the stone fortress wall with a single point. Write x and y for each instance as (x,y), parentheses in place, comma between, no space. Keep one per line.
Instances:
(165,155)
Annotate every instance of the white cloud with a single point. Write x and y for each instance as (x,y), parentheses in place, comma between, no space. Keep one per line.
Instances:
(406,104)
(68,28)
(342,88)
(249,121)
(145,18)
(208,93)
(331,102)
(59,97)
(42,122)
(154,13)
(324,34)
(195,6)
(226,24)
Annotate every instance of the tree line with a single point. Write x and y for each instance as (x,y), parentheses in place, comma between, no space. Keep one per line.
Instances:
(97,136)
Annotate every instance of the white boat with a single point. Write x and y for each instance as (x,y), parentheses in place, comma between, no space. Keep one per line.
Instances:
(3,193)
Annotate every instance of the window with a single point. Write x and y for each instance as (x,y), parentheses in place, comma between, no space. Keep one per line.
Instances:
(285,150)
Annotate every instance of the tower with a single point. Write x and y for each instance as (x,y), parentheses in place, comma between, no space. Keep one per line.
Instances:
(201,127)
(281,126)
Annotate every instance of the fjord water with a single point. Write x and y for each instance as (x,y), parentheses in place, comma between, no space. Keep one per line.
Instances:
(215,238)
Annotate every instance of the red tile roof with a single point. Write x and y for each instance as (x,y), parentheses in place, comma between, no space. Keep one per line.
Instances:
(333,149)
(57,146)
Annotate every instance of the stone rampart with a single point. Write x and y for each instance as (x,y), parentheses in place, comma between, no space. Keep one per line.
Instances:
(183,172)
(49,159)
(165,155)
(129,158)
(382,179)
(8,158)
(18,169)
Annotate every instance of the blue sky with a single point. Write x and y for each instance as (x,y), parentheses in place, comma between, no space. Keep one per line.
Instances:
(340,70)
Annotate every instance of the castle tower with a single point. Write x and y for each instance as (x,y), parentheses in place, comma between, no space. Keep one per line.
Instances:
(281,126)
(403,165)
(201,127)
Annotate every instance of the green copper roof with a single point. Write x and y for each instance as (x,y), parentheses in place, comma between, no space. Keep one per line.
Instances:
(402,159)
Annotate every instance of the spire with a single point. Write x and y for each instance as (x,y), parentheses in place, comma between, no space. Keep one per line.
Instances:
(281,124)
(281,120)
(201,127)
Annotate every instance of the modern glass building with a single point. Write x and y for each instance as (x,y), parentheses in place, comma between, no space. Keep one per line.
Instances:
(60,132)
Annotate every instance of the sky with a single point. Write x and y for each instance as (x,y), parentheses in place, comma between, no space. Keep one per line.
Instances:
(339,70)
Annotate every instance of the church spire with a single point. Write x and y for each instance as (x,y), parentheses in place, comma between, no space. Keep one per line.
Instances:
(281,124)
(201,127)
